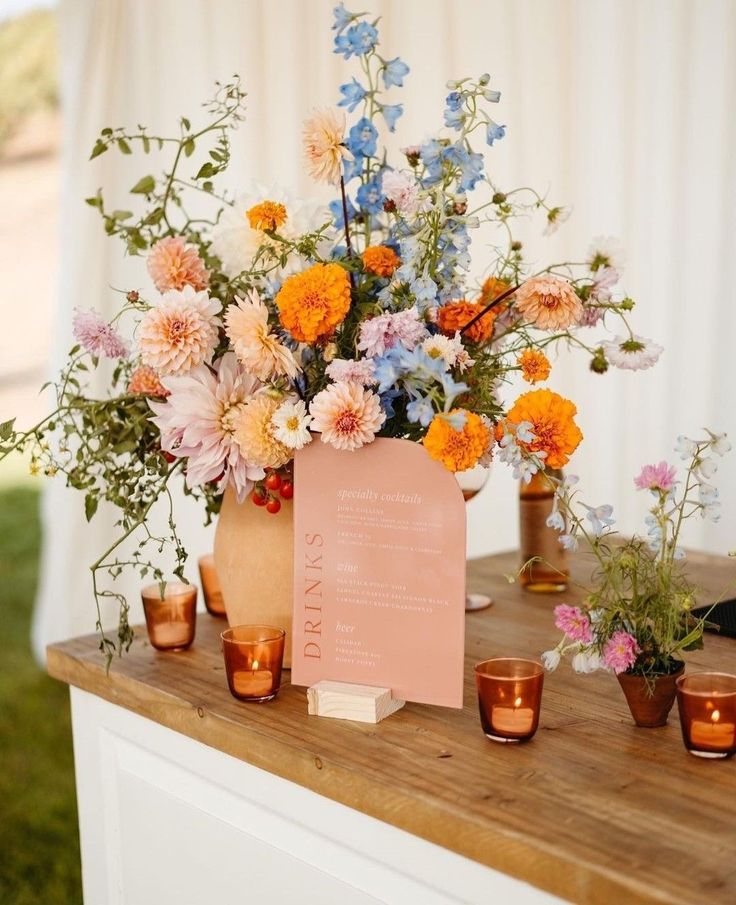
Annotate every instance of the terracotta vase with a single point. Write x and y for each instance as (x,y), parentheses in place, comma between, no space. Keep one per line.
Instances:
(254,560)
(650,709)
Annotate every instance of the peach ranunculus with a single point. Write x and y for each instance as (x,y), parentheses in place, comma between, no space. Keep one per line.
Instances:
(174,263)
(552,419)
(324,148)
(549,303)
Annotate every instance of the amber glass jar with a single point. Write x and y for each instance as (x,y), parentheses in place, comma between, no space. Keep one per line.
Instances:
(548,573)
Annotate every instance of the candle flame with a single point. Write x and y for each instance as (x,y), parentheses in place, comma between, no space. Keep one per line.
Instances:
(517,702)
(255,665)
(715,716)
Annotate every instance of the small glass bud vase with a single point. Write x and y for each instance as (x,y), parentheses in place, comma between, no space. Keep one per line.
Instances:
(254,656)
(544,559)
(509,698)
(171,619)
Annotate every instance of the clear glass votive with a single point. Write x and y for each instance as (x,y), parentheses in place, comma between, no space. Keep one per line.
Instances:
(171,620)
(211,586)
(509,697)
(707,705)
(253,658)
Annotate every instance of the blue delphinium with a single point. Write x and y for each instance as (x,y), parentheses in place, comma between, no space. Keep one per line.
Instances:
(494,132)
(425,290)
(358,40)
(393,73)
(369,197)
(420,411)
(362,138)
(352,94)
(391,113)
(343,18)
(337,213)
(454,119)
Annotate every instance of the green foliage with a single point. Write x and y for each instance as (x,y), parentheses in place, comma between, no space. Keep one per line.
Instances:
(39,849)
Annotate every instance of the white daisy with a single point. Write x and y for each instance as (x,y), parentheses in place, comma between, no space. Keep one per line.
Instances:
(450,350)
(291,424)
(632,353)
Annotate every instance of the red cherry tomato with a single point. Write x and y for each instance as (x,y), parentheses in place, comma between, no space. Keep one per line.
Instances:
(258,498)
(287,490)
(273,506)
(167,455)
(273,481)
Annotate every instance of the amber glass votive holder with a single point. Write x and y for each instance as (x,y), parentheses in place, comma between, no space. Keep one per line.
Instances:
(211,586)
(253,658)
(171,620)
(707,705)
(509,698)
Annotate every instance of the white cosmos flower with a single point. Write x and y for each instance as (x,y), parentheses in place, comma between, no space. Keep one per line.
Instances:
(606,251)
(551,659)
(720,444)
(586,661)
(236,243)
(291,424)
(632,353)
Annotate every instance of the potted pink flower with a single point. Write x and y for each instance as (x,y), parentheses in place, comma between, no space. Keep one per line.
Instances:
(637,620)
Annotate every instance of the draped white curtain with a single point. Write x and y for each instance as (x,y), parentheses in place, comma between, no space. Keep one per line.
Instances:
(621,108)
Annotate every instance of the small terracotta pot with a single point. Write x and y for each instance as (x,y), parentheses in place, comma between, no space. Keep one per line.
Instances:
(650,709)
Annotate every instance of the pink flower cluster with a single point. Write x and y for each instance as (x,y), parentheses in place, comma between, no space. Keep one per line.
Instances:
(620,651)
(574,623)
(384,331)
(656,477)
(346,371)
(93,332)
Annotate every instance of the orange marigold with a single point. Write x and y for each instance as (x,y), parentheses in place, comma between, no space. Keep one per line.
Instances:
(268,215)
(535,365)
(380,260)
(553,425)
(491,289)
(457,450)
(455,315)
(312,303)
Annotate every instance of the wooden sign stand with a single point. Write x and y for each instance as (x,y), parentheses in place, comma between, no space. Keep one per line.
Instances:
(347,701)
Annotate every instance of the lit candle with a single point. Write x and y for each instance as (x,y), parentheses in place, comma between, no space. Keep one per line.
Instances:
(253,682)
(516,720)
(713,733)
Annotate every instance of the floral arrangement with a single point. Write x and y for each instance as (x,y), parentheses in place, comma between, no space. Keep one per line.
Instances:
(637,617)
(273,322)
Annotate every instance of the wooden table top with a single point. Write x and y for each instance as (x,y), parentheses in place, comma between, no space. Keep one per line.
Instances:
(593,809)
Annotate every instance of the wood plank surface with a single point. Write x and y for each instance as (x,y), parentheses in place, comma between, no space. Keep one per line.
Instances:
(593,809)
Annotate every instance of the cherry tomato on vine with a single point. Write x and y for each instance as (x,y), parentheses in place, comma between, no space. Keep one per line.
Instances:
(287,490)
(258,498)
(273,506)
(273,481)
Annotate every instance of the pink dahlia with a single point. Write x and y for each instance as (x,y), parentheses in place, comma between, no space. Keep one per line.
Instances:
(174,263)
(656,477)
(94,333)
(574,623)
(344,371)
(180,332)
(620,652)
(347,415)
(384,331)
(198,423)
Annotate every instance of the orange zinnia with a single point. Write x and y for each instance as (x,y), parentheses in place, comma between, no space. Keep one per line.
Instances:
(552,423)
(534,365)
(457,450)
(381,260)
(313,303)
(455,315)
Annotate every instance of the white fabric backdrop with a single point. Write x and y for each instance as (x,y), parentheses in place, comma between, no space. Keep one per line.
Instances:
(624,109)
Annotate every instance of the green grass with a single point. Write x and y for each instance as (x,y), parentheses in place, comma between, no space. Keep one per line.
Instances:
(39,848)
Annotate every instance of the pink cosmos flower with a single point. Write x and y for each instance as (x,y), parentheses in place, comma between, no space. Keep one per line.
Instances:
(620,652)
(199,419)
(656,477)
(93,332)
(574,623)
(345,371)
(384,331)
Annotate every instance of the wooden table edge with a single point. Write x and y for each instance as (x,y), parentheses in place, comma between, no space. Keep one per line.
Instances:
(552,869)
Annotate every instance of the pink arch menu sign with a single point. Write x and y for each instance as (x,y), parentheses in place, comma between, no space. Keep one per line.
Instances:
(379,571)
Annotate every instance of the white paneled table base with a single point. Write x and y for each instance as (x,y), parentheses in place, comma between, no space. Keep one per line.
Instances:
(165,820)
